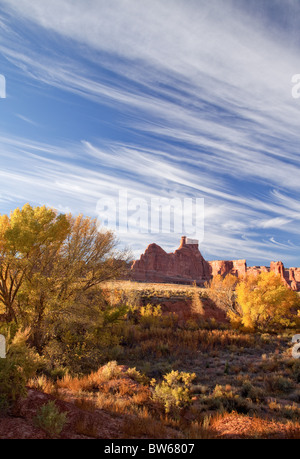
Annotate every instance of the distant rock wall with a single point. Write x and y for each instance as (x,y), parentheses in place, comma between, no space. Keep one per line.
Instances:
(223,267)
(186,266)
(294,278)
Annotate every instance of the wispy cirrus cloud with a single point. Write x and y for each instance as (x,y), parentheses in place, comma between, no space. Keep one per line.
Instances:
(203,94)
(230,224)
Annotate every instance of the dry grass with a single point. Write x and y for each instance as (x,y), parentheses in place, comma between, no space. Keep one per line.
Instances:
(43,384)
(87,427)
(145,426)
(237,373)
(86,404)
(151,289)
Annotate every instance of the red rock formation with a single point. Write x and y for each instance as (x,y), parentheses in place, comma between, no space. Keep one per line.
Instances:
(278,268)
(256,270)
(185,265)
(237,268)
(294,278)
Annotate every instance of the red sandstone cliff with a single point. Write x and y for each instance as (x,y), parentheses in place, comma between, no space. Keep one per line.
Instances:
(223,267)
(294,278)
(186,265)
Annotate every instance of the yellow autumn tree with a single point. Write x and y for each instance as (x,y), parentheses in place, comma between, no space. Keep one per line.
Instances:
(27,237)
(221,290)
(265,302)
(49,264)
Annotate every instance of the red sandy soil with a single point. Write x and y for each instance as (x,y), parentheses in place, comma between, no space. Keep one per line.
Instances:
(103,425)
(236,426)
(20,424)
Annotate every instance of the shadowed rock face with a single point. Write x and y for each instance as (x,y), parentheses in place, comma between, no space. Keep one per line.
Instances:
(223,267)
(186,265)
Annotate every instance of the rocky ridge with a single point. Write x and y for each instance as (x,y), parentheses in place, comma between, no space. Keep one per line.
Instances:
(187,265)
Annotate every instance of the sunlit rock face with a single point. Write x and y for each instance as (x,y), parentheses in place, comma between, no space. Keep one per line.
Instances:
(186,266)
(237,268)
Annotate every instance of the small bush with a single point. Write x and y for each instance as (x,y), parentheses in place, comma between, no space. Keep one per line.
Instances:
(253,393)
(50,419)
(295,370)
(12,381)
(20,364)
(4,404)
(224,399)
(175,391)
(137,376)
(110,371)
(277,383)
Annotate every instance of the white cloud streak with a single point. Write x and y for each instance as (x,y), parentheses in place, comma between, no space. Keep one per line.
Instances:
(206,85)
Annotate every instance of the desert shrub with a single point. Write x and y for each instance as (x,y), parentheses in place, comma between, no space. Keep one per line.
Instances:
(110,371)
(98,381)
(4,404)
(270,364)
(253,393)
(84,345)
(137,376)
(58,373)
(224,399)
(12,381)
(17,368)
(290,412)
(50,419)
(278,383)
(295,369)
(174,392)
(150,315)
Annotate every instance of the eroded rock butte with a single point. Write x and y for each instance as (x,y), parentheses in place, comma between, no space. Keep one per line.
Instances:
(186,266)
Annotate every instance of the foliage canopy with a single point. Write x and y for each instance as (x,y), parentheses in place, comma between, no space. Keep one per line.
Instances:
(265,301)
(49,265)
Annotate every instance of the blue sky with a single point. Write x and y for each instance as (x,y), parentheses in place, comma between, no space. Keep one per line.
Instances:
(173,98)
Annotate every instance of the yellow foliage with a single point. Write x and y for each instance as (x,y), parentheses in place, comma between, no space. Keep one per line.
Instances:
(265,301)
(49,263)
(222,291)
